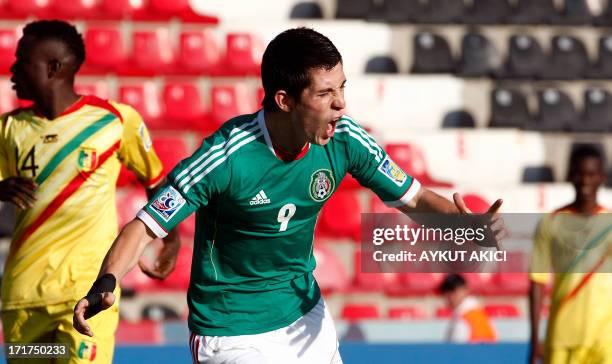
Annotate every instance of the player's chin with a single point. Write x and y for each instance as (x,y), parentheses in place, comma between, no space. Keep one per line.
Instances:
(22,94)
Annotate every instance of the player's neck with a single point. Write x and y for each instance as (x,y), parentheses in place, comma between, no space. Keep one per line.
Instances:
(282,133)
(586,205)
(56,102)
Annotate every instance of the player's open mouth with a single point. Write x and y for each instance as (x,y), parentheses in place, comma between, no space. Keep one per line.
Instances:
(331,128)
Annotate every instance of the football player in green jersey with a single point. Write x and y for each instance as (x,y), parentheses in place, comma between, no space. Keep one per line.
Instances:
(257,185)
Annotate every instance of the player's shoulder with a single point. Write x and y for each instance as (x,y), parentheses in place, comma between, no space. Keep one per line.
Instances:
(239,128)
(13,119)
(567,209)
(121,111)
(348,129)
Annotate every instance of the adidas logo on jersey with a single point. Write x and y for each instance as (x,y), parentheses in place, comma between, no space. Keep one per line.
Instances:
(260,199)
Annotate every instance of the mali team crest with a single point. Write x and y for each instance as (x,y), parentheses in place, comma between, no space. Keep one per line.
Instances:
(88,159)
(322,185)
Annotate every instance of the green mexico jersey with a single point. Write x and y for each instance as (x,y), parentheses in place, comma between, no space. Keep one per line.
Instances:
(255,218)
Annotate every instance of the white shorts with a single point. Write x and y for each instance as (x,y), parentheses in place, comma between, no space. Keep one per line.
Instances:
(311,339)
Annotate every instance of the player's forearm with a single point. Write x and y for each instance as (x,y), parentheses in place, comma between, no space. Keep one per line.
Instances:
(535,307)
(127,249)
(427,201)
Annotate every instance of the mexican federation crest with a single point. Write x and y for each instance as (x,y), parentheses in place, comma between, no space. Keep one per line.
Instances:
(322,185)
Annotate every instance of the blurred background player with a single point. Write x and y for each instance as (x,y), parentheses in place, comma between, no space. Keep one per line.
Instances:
(579,329)
(258,184)
(469,321)
(59,161)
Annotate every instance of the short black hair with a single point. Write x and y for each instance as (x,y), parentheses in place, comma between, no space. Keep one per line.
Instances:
(288,59)
(61,31)
(451,282)
(584,151)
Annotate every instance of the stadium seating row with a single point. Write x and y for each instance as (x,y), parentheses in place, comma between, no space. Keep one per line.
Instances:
(154,52)
(148,10)
(332,278)
(197,52)
(572,12)
(178,106)
(567,59)
(556,110)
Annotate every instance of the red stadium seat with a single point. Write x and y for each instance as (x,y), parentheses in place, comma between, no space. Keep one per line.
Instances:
(511,283)
(475,203)
(178,280)
(416,284)
(198,53)
(228,102)
(144,97)
(371,280)
(169,6)
(513,278)
(137,281)
(444,312)
(330,272)
(8,46)
(411,159)
(350,183)
(105,52)
(501,310)
(27,8)
(126,178)
(159,10)
(152,53)
(97,88)
(354,312)
(341,216)
(378,207)
(171,150)
(407,312)
(120,9)
(184,108)
(129,202)
(481,283)
(242,55)
(143,332)
(75,9)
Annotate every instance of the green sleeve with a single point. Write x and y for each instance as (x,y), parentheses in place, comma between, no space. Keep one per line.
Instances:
(191,184)
(373,168)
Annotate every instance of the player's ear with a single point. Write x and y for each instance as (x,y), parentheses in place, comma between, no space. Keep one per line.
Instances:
(283,100)
(53,67)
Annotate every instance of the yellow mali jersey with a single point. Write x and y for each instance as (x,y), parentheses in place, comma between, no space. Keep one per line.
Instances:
(577,248)
(59,244)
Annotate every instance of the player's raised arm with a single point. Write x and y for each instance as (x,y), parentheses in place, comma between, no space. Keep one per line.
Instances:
(427,201)
(120,259)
